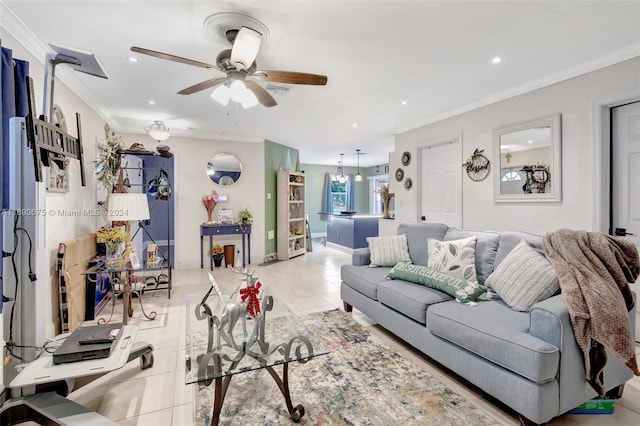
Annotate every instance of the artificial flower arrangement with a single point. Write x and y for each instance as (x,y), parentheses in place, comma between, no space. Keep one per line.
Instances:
(110,236)
(209,201)
(217,253)
(386,197)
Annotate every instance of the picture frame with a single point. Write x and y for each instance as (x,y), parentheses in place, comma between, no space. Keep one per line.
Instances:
(135,261)
(57,173)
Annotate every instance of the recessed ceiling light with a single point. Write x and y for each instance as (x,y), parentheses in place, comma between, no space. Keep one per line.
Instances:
(151,102)
(404,102)
(132,59)
(496,60)
(530,141)
(354,125)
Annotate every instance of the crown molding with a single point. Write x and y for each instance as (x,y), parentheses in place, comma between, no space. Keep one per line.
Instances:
(23,35)
(617,56)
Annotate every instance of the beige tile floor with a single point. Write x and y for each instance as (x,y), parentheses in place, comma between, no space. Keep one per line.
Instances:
(311,283)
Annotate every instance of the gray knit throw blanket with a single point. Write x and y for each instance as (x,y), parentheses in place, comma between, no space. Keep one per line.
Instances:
(594,271)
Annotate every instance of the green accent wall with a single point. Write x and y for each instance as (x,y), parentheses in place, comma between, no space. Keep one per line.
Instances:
(275,158)
(315,183)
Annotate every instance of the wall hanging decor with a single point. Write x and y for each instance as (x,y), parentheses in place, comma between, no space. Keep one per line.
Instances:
(406,158)
(399,174)
(478,166)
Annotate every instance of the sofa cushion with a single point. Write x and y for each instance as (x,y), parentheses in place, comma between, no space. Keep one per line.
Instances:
(497,333)
(364,279)
(510,239)
(456,258)
(464,291)
(388,250)
(409,299)
(417,234)
(486,249)
(524,278)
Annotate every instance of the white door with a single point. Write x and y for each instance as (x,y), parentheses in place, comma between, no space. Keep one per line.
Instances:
(625,177)
(441,183)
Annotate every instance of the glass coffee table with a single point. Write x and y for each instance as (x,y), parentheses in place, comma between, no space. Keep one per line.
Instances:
(224,340)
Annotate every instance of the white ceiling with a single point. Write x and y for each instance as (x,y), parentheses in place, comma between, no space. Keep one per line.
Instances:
(435,55)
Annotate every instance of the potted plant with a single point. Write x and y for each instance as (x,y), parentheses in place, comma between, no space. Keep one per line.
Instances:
(217,253)
(245,216)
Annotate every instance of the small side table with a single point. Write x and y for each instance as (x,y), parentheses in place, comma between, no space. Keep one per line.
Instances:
(225,229)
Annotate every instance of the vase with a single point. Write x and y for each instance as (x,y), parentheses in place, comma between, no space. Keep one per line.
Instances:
(112,255)
(385,208)
(209,214)
(217,261)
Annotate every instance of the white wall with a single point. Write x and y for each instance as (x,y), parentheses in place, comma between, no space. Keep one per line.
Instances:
(577,100)
(191,183)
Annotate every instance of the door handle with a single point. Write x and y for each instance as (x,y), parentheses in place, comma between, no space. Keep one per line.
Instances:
(621,232)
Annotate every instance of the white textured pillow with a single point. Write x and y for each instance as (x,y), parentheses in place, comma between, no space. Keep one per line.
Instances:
(456,258)
(388,250)
(524,278)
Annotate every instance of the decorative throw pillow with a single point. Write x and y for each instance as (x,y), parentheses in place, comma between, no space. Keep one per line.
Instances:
(524,278)
(456,258)
(464,291)
(388,250)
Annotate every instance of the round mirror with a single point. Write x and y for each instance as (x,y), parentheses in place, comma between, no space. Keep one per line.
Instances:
(224,169)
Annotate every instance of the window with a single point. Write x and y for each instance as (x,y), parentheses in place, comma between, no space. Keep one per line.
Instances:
(338,195)
(510,176)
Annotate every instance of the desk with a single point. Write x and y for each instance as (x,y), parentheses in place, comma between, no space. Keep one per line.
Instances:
(222,229)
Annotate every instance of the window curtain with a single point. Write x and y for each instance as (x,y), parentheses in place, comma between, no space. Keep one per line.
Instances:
(327,204)
(13,103)
(351,192)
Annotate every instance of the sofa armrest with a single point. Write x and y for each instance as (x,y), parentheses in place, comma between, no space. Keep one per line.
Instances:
(361,257)
(549,320)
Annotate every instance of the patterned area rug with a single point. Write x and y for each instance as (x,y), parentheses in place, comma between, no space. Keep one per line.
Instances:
(361,382)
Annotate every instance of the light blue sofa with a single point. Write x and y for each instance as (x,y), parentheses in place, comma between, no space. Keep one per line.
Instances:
(527,360)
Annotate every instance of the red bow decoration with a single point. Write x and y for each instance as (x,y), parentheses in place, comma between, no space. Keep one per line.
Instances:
(251,293)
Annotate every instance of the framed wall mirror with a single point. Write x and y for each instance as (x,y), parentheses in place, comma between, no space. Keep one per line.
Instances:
(528,161)
(224,169)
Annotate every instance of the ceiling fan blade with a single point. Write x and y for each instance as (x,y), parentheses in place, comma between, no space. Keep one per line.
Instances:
(173,58)
(291,77)
(202,86)
(263,96)
(245,48)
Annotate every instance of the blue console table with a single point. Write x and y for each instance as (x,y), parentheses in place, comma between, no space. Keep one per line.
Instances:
(222,229)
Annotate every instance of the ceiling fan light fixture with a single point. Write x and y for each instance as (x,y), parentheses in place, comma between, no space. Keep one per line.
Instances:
(158,131)
(249,99)
(245,48)
(237,90)
(221,94)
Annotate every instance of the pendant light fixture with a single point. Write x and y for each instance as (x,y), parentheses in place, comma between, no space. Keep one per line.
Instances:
(358,175)
(341,177)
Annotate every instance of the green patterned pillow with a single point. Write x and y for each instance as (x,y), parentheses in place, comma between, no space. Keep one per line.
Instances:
(464,291)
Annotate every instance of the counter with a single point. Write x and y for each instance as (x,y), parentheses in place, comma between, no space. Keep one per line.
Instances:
(351,231)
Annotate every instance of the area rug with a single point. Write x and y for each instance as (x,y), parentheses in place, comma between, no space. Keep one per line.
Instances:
(362,381)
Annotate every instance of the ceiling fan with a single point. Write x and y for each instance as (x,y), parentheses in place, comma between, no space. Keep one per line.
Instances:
(239,65)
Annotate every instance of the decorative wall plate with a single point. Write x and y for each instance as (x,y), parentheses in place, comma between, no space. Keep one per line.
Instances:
(478,166)
(406,158)
(399,174)
(408,183)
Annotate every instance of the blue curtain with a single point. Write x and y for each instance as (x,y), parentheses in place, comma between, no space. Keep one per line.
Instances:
(327,203)
(351,192)
(13,103)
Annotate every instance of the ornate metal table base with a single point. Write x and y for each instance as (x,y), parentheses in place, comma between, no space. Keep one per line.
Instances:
(127,305)
(222,384)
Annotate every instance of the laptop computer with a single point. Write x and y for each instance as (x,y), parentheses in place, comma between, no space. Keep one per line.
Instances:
(92,342)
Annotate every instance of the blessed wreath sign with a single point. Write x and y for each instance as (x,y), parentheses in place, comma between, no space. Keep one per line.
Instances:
(478,166)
